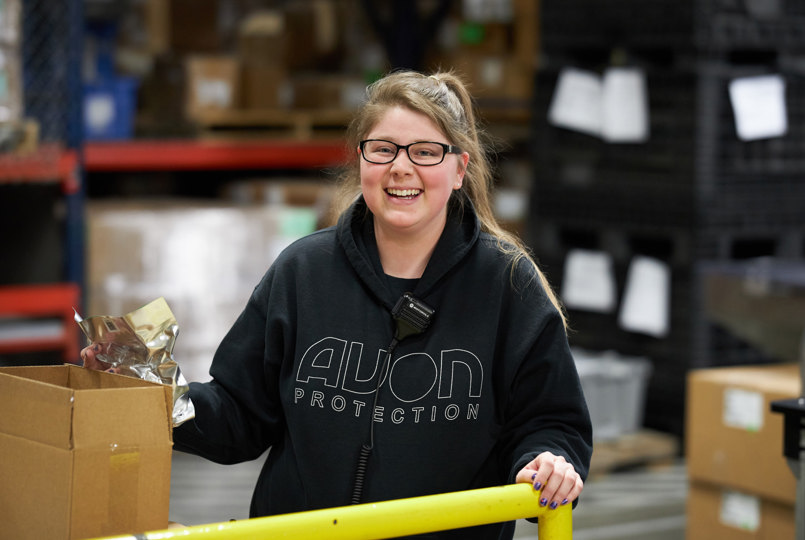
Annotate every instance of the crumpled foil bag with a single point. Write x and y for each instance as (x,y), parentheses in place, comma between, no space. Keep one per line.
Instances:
(140,344)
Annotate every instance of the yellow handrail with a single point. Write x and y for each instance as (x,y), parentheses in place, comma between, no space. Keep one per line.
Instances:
(390,519)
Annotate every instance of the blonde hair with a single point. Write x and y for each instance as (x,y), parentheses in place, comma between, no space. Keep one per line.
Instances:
(444,98)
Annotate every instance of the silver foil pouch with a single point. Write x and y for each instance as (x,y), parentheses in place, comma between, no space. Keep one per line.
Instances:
(140,344)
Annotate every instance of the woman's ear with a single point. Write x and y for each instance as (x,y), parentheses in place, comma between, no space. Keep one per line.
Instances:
(462,169)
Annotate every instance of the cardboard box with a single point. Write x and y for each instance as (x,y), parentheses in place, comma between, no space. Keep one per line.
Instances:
(495,76)
(302,36)
(213,84)
(183,26)
(327,91)
(205,258)
(733,438)
(486,38)
(264,86)
(262,40)
(161,99)
(83,453)
(714,512)
(313,34)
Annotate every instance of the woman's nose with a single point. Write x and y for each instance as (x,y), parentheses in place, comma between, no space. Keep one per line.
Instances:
(404,161)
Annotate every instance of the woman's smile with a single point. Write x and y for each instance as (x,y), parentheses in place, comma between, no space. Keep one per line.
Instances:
(407,194)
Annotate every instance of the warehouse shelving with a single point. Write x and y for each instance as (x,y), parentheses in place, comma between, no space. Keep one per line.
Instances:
(41,188)
(38,317)
(198,155)
(49,163)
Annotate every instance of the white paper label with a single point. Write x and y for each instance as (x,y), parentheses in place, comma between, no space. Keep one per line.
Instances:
(214,93)
(576,102)
(624,106)
(740,511)
(613,107)
(759,106)
(743,409)
(589,282)
(99,111)
(492,72)
(646,299)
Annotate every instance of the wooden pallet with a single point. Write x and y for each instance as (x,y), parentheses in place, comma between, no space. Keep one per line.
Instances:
(296,124)
(640,449)
(305,124)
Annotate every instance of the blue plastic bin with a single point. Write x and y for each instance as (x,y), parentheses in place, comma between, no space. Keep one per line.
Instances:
(109,108)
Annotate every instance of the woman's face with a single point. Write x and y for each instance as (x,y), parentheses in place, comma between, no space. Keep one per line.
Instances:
(404,197)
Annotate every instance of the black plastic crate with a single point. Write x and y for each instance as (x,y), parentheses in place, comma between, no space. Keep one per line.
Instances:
(635,200)
(694,170)
(733,243)
(671,355)
(691,25)
(748,184)
(672,109)
(750,24)
(744,160)
(634,24)
(583,176)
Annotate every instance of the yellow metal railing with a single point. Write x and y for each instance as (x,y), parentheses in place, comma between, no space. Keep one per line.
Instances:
(390,519)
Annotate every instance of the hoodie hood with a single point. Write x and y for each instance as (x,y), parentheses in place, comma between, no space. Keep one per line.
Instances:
(356,235)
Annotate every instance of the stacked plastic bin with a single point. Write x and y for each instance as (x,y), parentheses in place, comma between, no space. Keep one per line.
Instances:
(694,191)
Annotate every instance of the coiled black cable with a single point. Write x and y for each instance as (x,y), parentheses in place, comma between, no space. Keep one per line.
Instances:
(360,473)
(366,449)
(411,317)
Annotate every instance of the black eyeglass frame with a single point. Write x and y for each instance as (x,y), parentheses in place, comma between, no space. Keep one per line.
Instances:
(448,149)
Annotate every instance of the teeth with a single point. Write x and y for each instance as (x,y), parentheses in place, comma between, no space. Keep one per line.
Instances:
(403,192)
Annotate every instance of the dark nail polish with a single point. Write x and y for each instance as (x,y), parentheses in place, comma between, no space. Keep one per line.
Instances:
(538,486)
(565,501)
(554,505)
(533,476)
(543,502)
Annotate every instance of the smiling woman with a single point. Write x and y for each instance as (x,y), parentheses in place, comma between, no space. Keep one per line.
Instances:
(413,348)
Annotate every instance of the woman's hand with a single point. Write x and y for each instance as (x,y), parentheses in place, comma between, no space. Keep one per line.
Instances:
(88,355)
(558,480)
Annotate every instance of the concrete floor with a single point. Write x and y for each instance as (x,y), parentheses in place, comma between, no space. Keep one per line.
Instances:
(642,503)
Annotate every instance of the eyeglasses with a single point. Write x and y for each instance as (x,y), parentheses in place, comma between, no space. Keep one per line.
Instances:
(381,152)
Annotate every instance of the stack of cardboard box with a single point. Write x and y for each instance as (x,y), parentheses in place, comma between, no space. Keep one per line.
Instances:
(254,64)
(741,486)
(494,45)
(302,55)
(205,258)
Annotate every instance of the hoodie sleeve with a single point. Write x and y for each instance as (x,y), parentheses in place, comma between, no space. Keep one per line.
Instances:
(238,413)
(545,409)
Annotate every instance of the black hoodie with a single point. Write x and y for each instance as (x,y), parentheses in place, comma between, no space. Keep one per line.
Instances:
(466,404)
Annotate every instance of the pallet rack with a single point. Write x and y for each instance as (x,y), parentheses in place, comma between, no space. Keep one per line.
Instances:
(50,53)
